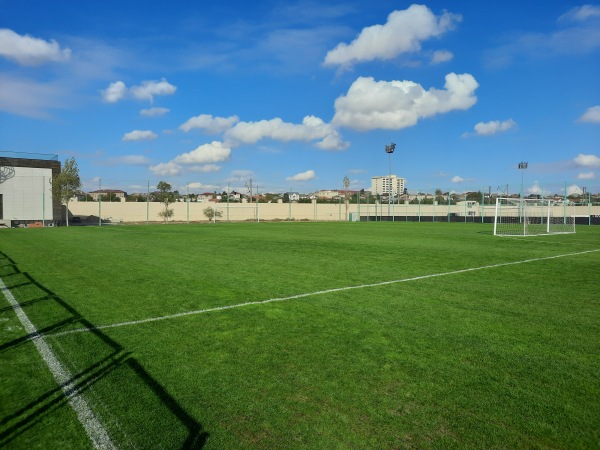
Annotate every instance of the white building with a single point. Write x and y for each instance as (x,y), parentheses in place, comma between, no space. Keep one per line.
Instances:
(387,184)
(26,189)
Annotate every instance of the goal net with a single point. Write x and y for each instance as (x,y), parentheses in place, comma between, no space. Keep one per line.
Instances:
(532,217)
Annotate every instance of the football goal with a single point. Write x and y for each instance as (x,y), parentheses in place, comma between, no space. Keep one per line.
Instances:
(532,217)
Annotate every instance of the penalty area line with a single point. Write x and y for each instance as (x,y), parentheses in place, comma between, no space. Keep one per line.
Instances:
(311,294)
(94,429)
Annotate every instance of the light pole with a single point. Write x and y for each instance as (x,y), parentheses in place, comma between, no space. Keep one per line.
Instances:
(522,167)
(389,149)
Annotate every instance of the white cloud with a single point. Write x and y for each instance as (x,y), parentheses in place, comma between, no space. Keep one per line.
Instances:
(574,189)
(154,112)
(457,179)
(591,115)
(312,128)
(535,189)
(403,32)
(587,160)
(440,56)
(586,176)
(197,186)
(114,92)
(140,135)
(209,123)
(581,13)
(130,160)
(166,169)
(146,91)
(207,153)
(302,176)
(493,127)
(393,105)
(29,98)
(29,51)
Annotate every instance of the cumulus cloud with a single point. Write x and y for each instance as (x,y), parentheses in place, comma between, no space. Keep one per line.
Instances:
(148,89)
(586,176)
(393,105)
(145,91)
(312,128)
(30,51)
(535,189)
(574,189)
(493,127)
(457,179)
(591,115)
(169,169)
(139,135)
(114,92)
(207,153)
(441,56)
(582,160)
(403,32)
(302,176)
(154,112)
(209,124)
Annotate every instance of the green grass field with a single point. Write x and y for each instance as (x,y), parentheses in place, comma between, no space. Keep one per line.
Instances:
(478,342)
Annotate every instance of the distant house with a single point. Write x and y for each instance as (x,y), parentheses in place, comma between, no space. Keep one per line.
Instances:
(202,198)
(293,196)
(112,193)
(327,194)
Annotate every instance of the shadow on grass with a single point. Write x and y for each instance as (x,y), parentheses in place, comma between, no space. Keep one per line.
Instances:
(136,410)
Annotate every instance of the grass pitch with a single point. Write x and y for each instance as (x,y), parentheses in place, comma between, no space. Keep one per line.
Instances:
(462,350)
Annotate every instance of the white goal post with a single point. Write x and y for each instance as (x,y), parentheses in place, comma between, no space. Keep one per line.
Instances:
(533,217)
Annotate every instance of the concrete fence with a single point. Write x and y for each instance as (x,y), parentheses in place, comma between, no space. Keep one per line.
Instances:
(131,212)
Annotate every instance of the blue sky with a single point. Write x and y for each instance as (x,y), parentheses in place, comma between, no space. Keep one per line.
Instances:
(297,95)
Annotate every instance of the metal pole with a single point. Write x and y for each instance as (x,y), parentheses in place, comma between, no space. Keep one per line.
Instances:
(99,203)
(44,201)
(148,203)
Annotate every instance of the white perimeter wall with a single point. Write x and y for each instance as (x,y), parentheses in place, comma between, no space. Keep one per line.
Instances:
(140,212)
(27,195)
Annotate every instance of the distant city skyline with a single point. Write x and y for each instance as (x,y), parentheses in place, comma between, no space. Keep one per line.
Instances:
(298,95)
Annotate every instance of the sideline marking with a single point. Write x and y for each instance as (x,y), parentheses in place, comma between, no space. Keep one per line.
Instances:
(63,377)
(310,294)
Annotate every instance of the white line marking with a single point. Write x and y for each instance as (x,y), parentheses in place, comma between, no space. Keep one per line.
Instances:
(310,294)
(63,377)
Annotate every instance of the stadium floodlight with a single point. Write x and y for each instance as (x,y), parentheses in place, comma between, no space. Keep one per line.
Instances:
(533,217)
(389,149)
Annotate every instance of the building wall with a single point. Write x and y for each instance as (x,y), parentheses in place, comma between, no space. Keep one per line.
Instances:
(385,185)
(27,191)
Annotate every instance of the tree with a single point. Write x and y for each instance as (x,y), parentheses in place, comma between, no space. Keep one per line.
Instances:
(166,197)
(66,183)
(211,213)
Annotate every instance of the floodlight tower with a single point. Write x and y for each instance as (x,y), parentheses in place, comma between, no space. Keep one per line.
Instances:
(522,167)
(389,149)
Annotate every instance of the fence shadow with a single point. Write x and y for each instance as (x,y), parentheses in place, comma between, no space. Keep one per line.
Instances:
(136,410)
